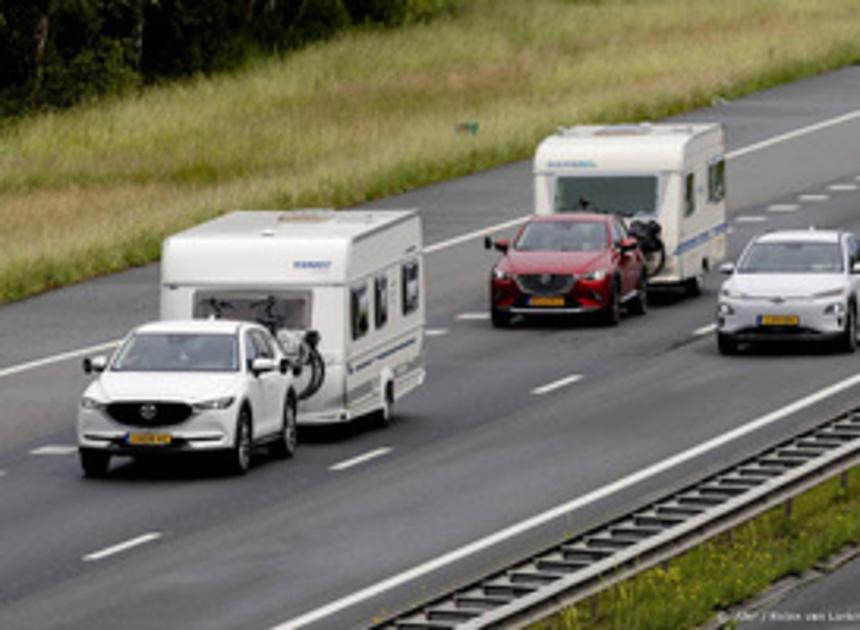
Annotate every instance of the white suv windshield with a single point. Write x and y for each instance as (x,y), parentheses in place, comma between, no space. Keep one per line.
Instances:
(186,352)
(563,236)
(625,196)
(792,257)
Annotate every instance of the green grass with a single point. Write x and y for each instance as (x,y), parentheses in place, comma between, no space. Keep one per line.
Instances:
(373,113)
(692,588)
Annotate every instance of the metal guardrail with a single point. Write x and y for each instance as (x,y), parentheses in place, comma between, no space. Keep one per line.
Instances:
(566,573)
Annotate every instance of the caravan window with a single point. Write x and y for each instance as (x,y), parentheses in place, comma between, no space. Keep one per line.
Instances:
(623,195)
(410,285)
(717,181)
(275,310)
(689,195)
(359,310)
(380,302)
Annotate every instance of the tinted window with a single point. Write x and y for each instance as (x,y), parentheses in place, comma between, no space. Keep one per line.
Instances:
(792,257)
(624,196)
(380,302)
(717,181)
(162,352)
(410,286)
(563,236)
(689,195)
(359,306)
(264,348)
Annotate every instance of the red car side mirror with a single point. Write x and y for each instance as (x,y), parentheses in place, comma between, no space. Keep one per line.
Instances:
(501,245)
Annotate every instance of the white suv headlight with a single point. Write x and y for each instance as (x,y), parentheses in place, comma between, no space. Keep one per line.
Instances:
(214,404)
(827,294)
(91,403)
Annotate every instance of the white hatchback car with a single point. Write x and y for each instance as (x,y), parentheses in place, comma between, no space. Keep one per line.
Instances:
(189,387)
(792,284)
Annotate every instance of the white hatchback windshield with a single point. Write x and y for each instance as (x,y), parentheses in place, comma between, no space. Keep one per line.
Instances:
(792,257)
(151,352)
(563,236)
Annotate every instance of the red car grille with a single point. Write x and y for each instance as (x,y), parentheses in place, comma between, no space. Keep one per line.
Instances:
(545,283)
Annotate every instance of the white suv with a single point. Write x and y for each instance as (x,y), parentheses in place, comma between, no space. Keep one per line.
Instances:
(792,284)
(189,387)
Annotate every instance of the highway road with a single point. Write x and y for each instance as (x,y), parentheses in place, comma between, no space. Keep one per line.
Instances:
(830,602)
(502,452)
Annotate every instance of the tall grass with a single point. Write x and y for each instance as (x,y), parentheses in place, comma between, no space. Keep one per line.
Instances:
(691,589)
(373,113)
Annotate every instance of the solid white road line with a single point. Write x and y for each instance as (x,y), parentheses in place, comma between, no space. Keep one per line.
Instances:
(824,124)
(783,207)
(355,461)
(566,508)
(435,332)
(435,247)
(705,330)
(814,198)
(55,449)
(473,316)
(23,367)
(751,218)
(842,187)
(562,382)
(123,546)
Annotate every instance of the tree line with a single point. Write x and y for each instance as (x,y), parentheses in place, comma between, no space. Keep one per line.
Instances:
(57,53)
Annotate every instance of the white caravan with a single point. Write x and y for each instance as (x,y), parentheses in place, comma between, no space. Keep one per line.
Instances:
(356,277)
(667,181)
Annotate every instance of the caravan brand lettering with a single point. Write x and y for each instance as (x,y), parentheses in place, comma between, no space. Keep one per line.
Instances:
(313,265)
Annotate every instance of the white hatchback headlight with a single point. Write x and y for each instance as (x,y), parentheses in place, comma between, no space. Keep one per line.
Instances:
(498,274)
(214,404)
(827,294)
(91,403)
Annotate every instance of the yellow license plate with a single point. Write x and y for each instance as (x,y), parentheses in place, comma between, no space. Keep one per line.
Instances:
(546,301)
(149,439)
(779,320)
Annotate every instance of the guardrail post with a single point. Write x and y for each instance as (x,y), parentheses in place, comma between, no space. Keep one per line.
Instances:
(595,608)
(843,480)
(789,508)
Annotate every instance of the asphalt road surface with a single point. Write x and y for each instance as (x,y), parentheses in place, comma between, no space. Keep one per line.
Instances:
(475,451)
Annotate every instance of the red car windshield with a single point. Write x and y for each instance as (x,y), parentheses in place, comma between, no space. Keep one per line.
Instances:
(563,236)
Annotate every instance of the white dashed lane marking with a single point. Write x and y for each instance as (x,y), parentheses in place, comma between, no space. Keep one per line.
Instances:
(435,332)
(562,382)
(751,218)
(783,207)
(355,461)
(120,547)
(814,198)
(55,449)
(842,187)
(704,330)
(473,316)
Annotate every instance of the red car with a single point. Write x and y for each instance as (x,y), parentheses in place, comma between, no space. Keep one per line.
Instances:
(570,263)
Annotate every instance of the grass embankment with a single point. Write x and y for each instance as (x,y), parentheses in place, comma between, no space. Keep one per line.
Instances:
(692,588)
(373,113)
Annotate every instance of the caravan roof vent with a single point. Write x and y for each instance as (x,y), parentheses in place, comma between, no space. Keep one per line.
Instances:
(624,130)
(306,216)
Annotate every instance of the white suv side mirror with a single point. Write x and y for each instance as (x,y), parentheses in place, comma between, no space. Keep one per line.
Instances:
(727,268)
(260,365)
(94,364)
